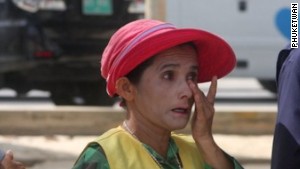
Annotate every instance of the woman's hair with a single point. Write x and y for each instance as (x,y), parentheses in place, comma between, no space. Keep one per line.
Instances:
(136,74)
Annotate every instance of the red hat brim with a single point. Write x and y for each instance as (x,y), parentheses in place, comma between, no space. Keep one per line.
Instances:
(215,56)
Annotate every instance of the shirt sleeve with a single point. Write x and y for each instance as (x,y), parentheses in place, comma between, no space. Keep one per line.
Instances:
(92,157)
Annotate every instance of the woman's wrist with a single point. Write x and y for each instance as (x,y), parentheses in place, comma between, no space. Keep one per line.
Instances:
(213,155)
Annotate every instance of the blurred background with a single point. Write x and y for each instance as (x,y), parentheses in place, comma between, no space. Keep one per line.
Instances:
(53,100)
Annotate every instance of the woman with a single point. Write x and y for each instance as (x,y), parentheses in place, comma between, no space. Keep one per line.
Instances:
(155,67)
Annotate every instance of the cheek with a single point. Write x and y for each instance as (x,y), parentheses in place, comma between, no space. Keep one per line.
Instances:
(153,90)
(150,88)
(159,86)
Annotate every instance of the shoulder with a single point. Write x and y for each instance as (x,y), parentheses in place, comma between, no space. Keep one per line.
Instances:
(116,134)
(291,67)
(112,132)
(295,55)
(293,58)
(93,157)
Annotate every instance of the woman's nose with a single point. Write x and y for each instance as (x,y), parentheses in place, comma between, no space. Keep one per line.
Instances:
(184,91)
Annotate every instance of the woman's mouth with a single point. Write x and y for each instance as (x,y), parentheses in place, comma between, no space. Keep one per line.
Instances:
(182,111)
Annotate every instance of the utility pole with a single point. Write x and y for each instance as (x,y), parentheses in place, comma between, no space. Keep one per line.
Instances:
(155,9)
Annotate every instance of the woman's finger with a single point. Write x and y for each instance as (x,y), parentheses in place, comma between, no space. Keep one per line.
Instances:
(201,103)
(211,96)
(197,94)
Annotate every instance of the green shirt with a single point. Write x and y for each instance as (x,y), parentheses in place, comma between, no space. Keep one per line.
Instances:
(94,157)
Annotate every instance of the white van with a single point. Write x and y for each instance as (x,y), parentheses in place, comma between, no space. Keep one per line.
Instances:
(254,28)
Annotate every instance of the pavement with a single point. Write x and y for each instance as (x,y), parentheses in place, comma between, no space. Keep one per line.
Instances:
(61,151)
(69,120)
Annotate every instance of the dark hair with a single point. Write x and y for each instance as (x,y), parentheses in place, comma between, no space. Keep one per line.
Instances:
(136,74)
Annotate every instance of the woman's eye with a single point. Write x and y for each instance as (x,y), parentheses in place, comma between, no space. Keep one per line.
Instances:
(192,77)
(168,75)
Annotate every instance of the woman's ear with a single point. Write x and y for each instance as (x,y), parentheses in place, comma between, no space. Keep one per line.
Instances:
(125,88)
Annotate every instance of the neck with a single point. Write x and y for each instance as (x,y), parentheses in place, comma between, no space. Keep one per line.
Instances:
(159,141)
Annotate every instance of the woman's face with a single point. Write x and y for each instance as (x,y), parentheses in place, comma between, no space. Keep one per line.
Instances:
(163,97)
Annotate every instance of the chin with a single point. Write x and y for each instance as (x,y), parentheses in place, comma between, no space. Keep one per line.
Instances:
(179,126)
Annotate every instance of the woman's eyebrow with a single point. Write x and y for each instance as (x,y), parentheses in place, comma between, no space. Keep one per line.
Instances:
(171,65)
(174,65)
(196,67)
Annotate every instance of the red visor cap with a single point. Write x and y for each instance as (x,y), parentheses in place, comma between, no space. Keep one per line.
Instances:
(137,41)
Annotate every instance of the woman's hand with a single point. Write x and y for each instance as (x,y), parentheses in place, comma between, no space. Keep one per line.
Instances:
(8,162)
(202,127)
(204,112)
